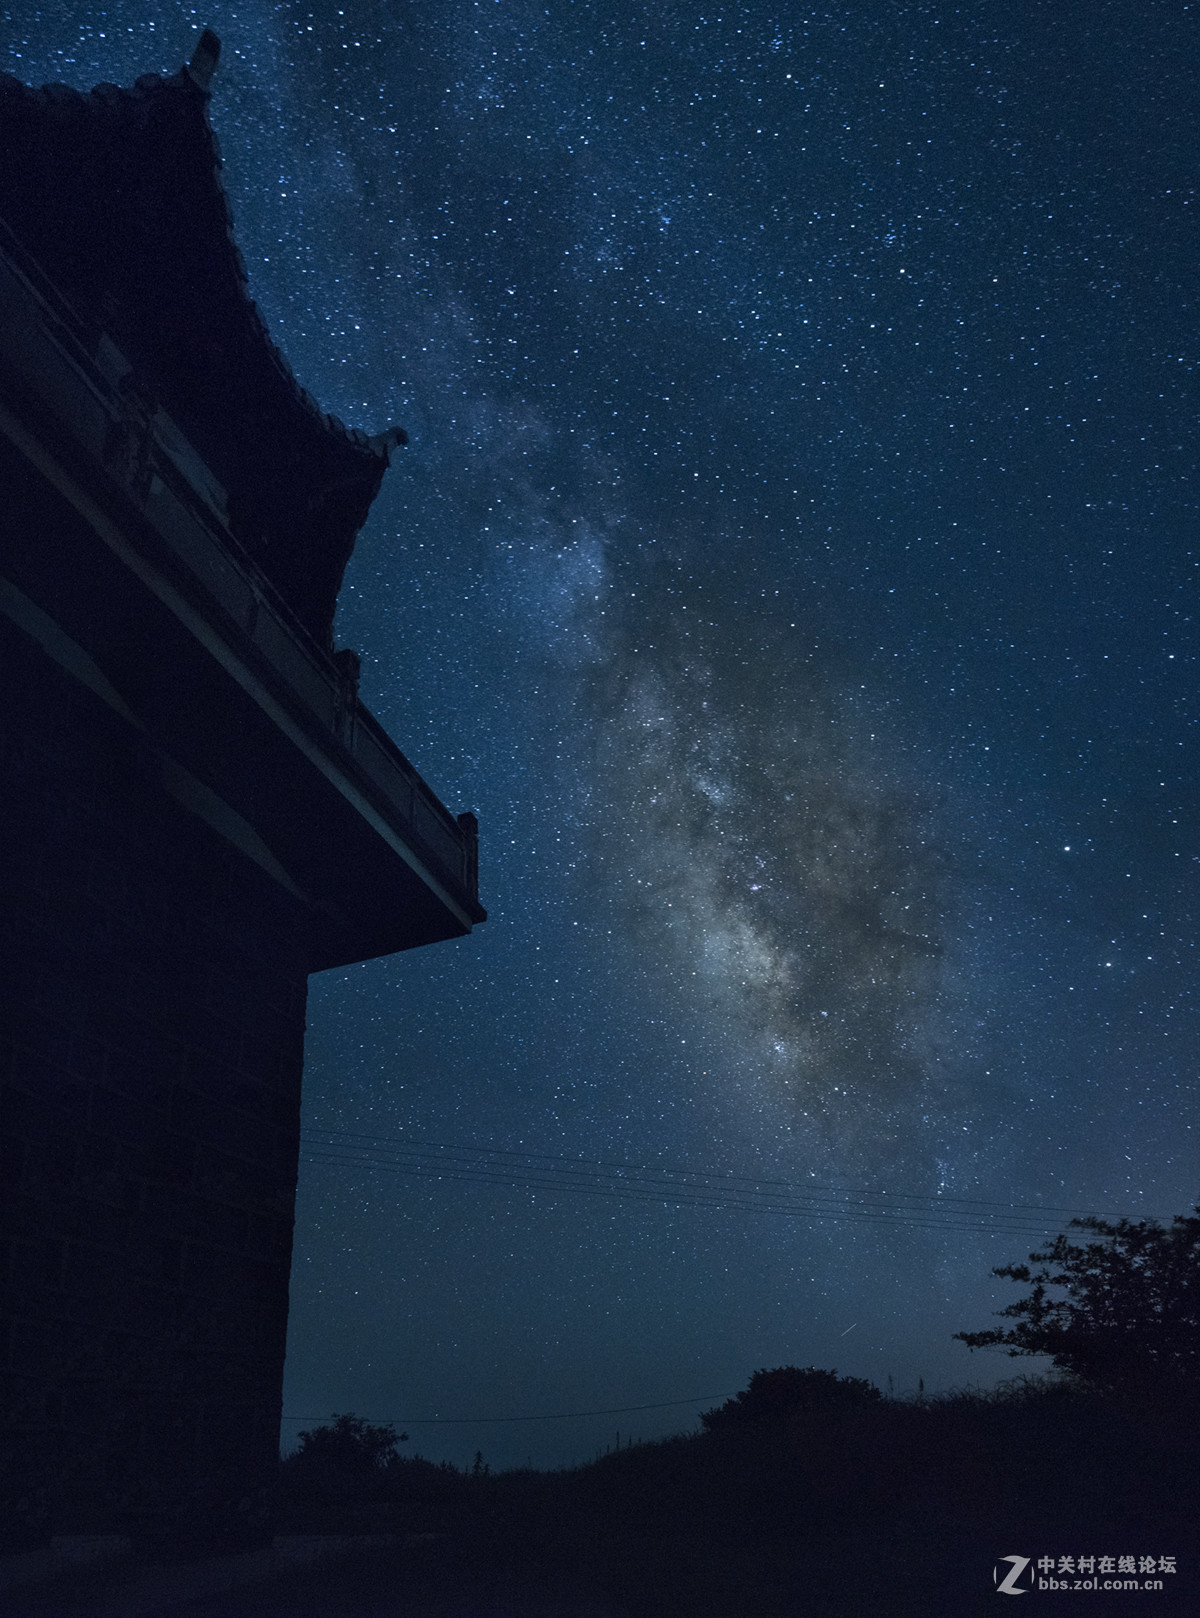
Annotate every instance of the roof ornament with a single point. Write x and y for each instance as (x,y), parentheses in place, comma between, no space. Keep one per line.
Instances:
(204,59)
(392,438)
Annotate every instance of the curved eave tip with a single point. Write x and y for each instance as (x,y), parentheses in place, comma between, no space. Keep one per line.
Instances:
(204,59)
(393,438)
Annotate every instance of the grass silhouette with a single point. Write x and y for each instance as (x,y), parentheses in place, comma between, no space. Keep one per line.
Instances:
(808,1494)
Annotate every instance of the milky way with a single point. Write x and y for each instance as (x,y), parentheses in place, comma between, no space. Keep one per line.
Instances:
(760,836)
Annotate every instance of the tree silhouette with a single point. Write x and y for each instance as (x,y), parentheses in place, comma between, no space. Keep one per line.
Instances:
(1131,1313)
(774,1397)
(351,1448)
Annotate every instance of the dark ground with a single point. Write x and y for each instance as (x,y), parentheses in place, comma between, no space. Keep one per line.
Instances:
(878,1510)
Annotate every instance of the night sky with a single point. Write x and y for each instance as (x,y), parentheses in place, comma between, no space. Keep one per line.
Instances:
(794,566)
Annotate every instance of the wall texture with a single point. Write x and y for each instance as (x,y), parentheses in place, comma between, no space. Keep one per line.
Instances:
(149,1113)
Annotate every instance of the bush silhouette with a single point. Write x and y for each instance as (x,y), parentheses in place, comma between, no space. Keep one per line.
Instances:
(351,1448)
(775,1398)
(1131,1315)
(346,1464)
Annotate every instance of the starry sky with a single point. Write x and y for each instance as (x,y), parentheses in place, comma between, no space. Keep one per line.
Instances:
(794,566)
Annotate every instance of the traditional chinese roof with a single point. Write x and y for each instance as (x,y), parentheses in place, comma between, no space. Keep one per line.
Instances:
(117,194)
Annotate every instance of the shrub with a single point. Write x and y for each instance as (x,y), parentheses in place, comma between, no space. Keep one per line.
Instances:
(775,1398)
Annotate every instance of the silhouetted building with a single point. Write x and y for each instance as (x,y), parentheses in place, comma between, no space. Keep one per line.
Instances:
(197,813)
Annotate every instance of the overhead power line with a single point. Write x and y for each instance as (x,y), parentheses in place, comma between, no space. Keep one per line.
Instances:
(697,1188)
(560,1415)
(676,1197)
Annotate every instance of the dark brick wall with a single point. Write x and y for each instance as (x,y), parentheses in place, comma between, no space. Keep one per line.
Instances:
(152,989)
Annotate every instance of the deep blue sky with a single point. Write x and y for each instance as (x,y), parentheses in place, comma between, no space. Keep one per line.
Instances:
(794,565)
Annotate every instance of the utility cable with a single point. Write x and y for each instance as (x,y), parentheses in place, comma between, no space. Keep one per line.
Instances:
(563,1415)
(585,1163)
(682,1197)
(713,1189)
